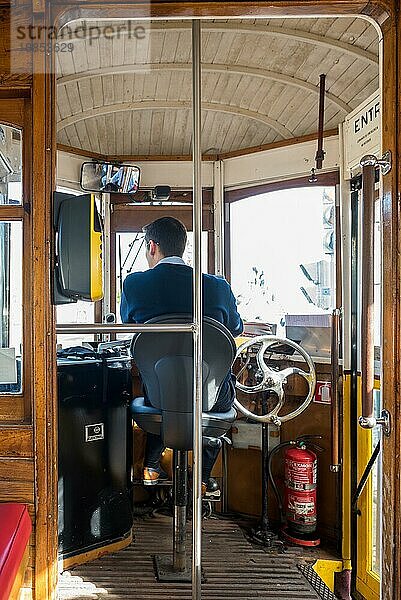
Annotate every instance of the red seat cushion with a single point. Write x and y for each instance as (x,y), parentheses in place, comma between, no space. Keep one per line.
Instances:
(15,529)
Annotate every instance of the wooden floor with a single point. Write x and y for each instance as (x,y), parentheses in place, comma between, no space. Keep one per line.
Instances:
(234,568)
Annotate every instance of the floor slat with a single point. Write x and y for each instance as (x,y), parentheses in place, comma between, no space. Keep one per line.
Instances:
(234,569)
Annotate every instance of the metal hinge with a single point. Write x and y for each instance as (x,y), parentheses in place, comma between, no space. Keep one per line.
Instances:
(384,421)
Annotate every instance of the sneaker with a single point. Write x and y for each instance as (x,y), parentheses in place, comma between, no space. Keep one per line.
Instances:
(211,490)
(153,476)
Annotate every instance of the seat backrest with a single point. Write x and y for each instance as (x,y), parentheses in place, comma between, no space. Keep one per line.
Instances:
(165,362)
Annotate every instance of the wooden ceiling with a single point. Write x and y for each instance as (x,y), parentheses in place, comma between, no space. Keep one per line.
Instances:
(120,95)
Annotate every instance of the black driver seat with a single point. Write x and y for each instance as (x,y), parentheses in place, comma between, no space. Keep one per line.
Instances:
(165,363)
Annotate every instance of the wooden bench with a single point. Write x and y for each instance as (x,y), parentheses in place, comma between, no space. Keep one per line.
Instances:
(15,529)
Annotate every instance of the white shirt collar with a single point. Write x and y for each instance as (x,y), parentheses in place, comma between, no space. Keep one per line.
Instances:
(171,260)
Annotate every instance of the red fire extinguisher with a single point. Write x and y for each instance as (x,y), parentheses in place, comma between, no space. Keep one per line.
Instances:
(300,490)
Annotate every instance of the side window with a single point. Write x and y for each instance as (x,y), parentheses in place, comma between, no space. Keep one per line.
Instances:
(11,248)
(283,269)
(10,165)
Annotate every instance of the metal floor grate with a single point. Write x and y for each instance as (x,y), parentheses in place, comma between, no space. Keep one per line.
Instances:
(317,583)
(234,569)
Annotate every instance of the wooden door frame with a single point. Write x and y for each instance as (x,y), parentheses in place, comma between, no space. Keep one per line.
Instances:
(386,14)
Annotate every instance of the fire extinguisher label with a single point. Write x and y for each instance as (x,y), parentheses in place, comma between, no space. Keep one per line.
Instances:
(301,475)
(302,508)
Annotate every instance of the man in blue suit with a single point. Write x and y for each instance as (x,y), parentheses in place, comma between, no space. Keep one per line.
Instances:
(166,288)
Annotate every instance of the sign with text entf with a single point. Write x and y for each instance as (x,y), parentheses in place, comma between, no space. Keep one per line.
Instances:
(362,130)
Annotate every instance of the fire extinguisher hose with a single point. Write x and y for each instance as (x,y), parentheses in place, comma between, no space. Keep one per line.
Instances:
(273,483)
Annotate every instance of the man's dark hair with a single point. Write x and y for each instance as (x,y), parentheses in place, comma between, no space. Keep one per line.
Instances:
(170,235)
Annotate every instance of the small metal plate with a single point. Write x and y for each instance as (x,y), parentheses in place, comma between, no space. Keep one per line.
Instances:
(94,432)
(317,583)
(165,573)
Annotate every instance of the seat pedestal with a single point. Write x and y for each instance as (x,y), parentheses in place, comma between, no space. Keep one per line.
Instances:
(165,571)
(177,569)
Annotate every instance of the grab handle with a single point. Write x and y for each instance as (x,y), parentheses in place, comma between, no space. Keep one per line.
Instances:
(335,412)
(367,419)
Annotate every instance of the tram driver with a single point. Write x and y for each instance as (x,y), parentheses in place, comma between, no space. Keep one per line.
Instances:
(166,288)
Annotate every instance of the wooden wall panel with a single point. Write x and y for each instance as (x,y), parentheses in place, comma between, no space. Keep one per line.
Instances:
(17,491)
(12,112)
(16,469)
(316,421)
(391,325)
(16,442)
(18,73)
(12,408)
(133,218)
(244,466)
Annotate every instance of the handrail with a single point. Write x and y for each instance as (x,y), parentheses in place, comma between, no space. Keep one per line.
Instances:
(367,419)
(335,373)
(100,328)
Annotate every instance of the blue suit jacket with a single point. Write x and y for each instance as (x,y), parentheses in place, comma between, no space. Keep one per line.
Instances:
(167,289)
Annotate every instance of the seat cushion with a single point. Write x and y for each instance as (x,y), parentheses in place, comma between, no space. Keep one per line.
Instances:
(148,418)
(138,406)
(230,415)
(216,424)
(15,529)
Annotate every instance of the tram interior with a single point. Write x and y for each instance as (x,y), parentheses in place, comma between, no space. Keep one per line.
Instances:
(274,225)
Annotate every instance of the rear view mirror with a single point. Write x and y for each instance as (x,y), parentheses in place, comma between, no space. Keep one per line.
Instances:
(108,177)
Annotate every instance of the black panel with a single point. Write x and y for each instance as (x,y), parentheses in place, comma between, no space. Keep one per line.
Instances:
(95,453)
(73,247)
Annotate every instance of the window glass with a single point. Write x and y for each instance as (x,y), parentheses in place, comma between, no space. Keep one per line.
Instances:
(10,307)
(10,165)
(130,258)
(282,254)
(78,312)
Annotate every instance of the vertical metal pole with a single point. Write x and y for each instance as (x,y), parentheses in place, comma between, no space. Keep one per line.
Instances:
(180,494)
(335,407)
(265,461)
(354,377)
(224,498)
(197,288)
(218,204)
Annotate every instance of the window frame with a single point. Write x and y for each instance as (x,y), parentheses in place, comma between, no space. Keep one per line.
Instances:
(331,178)
(16,407)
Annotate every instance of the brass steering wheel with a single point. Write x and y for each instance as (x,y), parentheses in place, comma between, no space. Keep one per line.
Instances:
(273,381)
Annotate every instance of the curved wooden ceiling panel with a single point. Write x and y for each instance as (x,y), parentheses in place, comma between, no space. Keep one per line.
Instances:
(121,95)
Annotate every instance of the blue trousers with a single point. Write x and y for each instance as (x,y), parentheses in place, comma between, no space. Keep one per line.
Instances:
(154,443)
